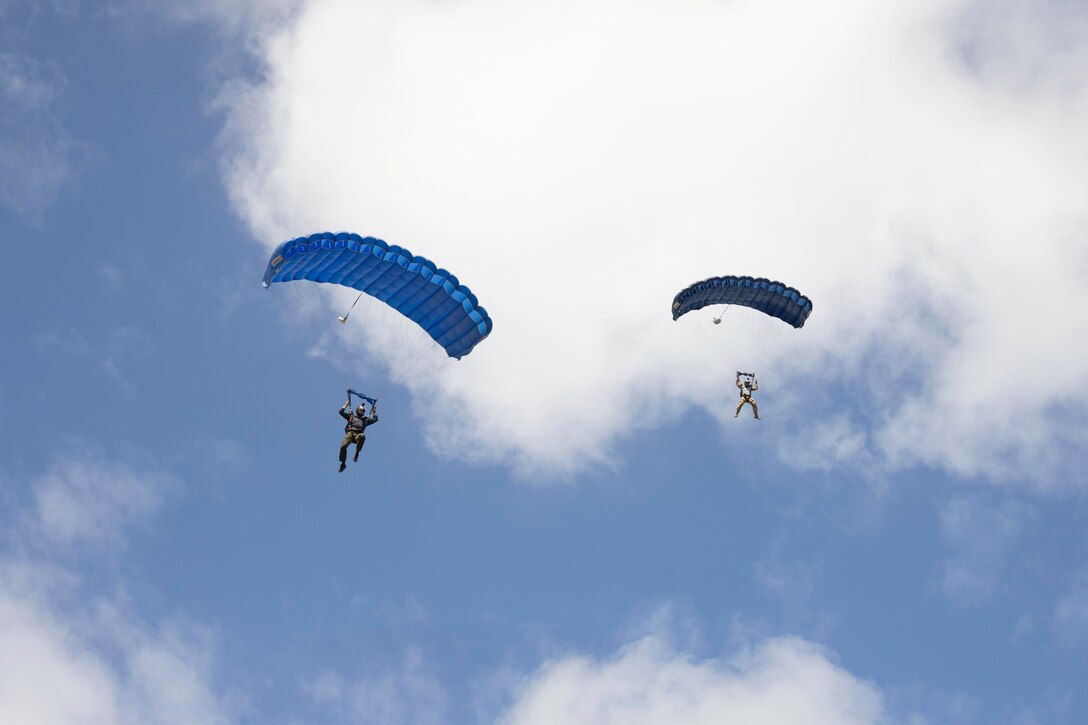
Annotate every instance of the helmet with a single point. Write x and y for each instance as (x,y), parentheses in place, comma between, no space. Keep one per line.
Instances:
(361,410)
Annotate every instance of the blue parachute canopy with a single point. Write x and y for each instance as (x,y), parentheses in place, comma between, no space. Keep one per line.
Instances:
(411,285)
(759,293)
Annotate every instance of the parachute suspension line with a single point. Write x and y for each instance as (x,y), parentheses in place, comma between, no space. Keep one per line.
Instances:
(691,332)
(369,313)
(361,329)
(722,359)
(746,333)
(398,347)
(395,335)
(769,345)
(752,333)
(696,335)
(425,346)
(711,341)
(420,344)
(727,353)
(403,369)
(279,300)
(413,372)
(390,341)
(358,326)
(384,335)
(317,313)
(303,300)
(285,305)
(715,343)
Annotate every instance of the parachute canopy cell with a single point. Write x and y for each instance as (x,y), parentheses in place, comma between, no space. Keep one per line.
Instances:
(413,286)
(769,297)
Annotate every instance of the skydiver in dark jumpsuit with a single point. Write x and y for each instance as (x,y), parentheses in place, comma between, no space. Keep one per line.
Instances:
(355,430)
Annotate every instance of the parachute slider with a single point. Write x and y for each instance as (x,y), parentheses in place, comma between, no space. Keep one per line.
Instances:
(344,317)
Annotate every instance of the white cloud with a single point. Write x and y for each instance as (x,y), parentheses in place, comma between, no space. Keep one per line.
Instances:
(327,687)
(408,691)
(398,686)
(920,705)
(837,441)
(61,664)
(782,681)
(578,163)
(793,584)
(112,277)
(122,347)
(1071,611)
(669,620)
(217,460)
(85,500)
(73,654)
(169,676)
(982,536)
(1027,45)
(45,677)
(36,151)
(232,15)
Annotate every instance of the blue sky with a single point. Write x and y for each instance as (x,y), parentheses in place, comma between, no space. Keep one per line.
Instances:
(568,525)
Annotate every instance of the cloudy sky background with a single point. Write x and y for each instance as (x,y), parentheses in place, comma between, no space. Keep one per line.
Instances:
(568,524)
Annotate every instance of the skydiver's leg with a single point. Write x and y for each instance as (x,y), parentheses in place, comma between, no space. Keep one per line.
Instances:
(359,441)
(755,409)
(739,406)
(344,451)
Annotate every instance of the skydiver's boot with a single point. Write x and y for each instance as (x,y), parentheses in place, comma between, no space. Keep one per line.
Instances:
(342,467)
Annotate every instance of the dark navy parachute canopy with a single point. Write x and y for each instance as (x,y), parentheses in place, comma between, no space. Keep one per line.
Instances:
(759,293)
(411,285)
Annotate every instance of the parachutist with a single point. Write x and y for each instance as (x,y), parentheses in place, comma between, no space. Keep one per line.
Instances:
(355,429)
(758,294)
(747,386)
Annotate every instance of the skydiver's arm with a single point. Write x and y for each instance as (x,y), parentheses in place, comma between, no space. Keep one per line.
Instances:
(755,384)
(344,413)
